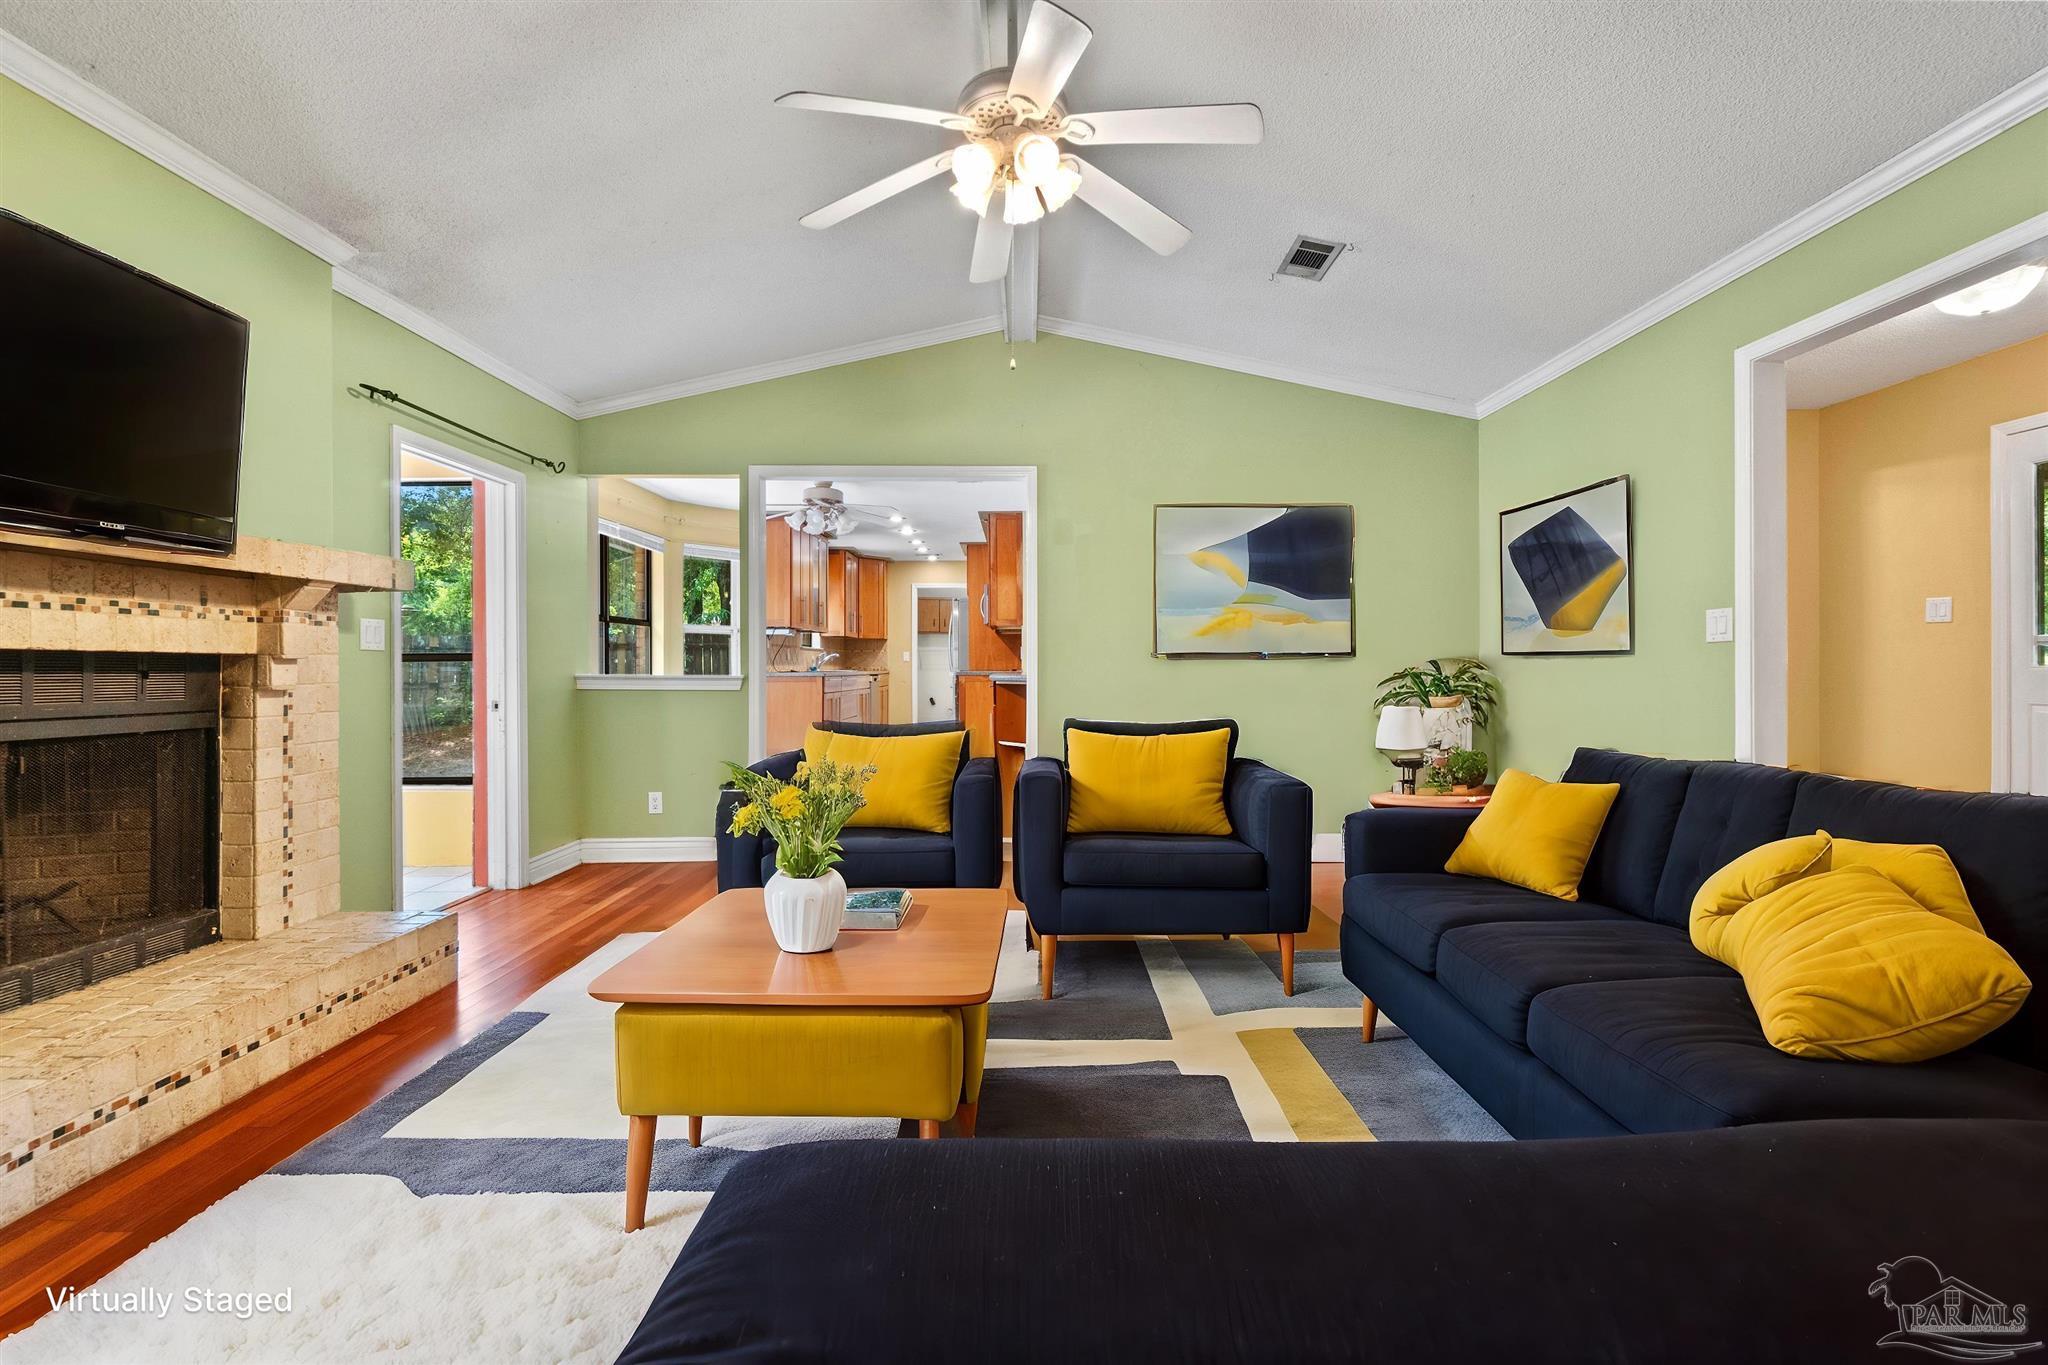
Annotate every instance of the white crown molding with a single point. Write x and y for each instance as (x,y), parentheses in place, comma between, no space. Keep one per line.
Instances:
(77,96)
(352,286)
(1287,374)
(782,369)
(1973,129)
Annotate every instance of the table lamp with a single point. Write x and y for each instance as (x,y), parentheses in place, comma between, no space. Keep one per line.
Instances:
(1403,736)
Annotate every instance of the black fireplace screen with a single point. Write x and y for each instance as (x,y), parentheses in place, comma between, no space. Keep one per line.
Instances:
(108,855)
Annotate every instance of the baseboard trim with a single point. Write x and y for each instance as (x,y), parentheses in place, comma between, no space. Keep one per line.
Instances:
(554,862)
(1327,848)
(679,848)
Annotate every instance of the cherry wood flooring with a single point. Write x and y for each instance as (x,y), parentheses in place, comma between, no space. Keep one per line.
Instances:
(512,943)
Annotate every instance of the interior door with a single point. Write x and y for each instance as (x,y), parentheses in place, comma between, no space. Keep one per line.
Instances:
(2025,618)
(481,696)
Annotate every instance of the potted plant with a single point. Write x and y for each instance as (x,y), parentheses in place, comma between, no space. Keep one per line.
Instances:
(1467,770)
(806,898)
(1442,684)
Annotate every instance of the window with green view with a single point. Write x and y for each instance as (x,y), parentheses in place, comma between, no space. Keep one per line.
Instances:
(708,609)
(436,529)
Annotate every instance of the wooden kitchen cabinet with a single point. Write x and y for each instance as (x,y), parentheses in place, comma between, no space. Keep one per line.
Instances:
(856,596)
(797,701)
(796,578)
(1002,606)
(934,615)
(988,650)
(874,599)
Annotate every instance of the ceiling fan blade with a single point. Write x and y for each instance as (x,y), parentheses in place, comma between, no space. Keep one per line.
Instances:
(991,247)
(1205,123)
(839,210)
(1051,43)
(1127,210)
(846,104)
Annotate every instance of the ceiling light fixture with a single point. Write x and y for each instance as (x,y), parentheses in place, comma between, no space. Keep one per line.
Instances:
(896,518)
(905,530)
(1021,205)
(932,557)
(1994,295)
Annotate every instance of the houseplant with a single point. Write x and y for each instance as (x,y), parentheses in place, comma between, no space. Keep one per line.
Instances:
(1442,684)
(806,897)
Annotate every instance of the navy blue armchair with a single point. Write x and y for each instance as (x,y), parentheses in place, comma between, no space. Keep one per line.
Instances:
(970,855)
(1253,881)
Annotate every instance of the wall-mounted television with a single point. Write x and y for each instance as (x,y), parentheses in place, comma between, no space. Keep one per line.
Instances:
(122,395)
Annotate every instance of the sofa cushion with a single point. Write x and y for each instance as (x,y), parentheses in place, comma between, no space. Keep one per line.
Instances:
(1729,809)
(1687,1052)
(1410,911)
(1636,839)
(1496,970)
(1176,860)
(1998,843)
(1147,784)
(889,857)
(1535,834)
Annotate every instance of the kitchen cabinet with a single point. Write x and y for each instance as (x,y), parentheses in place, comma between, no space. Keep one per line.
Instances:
(795,578)
(797,701)
(992,709)
(856,596)
(934,615)
(988,650)
(874,599)
(1002,599)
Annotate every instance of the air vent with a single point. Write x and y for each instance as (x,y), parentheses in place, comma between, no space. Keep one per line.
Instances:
(1310,259)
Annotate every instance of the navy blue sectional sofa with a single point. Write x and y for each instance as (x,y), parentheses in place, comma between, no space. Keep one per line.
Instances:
(970,855)
(1597,1016)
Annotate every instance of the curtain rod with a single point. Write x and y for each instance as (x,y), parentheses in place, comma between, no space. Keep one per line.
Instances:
(388,396)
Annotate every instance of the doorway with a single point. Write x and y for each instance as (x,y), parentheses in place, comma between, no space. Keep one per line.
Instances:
(938,649)
(2019,591)
(459,813)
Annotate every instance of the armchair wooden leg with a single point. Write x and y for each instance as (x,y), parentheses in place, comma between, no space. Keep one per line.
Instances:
(1030,935)
(966,1116)
(1048,949)
(1287,964)
(639,1164)
(1369,1020)
(696,1130)
(927,1128)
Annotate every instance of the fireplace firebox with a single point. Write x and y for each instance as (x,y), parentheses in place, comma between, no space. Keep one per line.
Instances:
(109,834)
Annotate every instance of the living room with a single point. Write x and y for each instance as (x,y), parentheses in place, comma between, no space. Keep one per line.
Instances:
(1516,727)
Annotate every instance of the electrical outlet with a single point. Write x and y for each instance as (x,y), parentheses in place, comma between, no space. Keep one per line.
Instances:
(370,632)
(1941,609)
(654,803)
(1720,625)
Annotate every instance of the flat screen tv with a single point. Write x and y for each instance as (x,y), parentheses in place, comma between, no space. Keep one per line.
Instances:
(122,395)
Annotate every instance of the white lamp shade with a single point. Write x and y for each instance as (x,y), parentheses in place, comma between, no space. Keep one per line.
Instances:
(1401,729)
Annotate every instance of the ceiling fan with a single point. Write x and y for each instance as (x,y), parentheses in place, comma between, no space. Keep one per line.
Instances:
(1013,122)
(825,511)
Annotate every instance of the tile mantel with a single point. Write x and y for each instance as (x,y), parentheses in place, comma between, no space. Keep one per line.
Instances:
(252,557)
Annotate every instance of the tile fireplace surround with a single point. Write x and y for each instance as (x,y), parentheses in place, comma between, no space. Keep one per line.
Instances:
(89,1078)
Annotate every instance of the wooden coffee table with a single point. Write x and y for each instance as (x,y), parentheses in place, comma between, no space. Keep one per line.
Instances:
(714,1018)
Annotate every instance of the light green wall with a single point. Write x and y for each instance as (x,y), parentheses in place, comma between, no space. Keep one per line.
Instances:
(1660,407)
(370,348)
(1112,432)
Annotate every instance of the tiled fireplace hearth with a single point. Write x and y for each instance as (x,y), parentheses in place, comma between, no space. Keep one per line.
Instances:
(90,832)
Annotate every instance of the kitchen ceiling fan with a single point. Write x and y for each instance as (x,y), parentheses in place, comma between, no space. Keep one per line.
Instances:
(1013,122)
(825,511)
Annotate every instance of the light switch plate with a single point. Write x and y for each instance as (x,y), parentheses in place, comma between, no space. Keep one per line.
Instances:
(1941,609)
(654,803)
(370,632)
(1720,625)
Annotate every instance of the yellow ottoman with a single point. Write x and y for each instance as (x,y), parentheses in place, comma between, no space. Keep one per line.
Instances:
(849,1061)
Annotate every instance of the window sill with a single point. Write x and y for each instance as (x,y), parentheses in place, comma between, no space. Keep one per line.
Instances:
(658,682)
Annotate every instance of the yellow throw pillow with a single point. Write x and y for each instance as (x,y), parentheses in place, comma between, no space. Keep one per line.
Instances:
(913,783)
(1147,784)
(1536,834)
(1751,877)
(1847,965)
(1922,871)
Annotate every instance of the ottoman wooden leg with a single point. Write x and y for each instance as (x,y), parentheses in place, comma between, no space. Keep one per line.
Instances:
(696,1130)
(1287,964)
(927,1128)
(1369,1019)
(1048,949)
(965,1118)
(639,1164)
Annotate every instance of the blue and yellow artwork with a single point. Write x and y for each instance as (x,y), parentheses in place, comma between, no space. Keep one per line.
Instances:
(1565,574)
(1257,582)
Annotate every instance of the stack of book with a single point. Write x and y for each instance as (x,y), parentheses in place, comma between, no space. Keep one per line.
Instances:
(883,909)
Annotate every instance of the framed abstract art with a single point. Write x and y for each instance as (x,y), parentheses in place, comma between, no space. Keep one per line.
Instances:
(1251,581)
(1567,573)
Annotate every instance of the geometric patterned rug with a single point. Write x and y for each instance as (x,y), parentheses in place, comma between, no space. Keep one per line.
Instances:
(473,1214)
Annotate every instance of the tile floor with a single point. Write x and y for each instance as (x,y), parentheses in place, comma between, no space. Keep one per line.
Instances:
(430,888)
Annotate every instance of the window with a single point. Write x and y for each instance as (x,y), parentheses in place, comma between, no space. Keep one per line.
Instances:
(709,635)
(436,527)
(628,563)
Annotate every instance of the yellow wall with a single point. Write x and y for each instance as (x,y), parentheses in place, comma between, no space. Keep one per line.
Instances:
(903,575)
(1802,588)
(437,826)
(1897,506)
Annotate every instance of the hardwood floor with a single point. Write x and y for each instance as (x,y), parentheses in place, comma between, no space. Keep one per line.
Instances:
(513,942)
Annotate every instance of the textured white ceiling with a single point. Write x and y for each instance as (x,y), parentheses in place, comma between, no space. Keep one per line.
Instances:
(944,513)
(603,196)
(722,493)
(1910,344)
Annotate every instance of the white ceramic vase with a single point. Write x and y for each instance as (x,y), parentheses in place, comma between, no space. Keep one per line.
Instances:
(804,912)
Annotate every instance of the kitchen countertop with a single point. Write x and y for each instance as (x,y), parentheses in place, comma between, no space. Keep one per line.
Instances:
(822,672)
(1006,679)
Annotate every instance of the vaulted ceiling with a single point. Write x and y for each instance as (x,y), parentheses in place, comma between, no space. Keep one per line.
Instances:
(604,196)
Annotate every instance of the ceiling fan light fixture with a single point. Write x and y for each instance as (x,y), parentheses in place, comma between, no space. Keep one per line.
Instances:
(1036,158)
(1994,295)
(1060,186)
(1021,205)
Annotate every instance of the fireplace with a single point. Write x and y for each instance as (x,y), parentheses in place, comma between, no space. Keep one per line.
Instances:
(109,823)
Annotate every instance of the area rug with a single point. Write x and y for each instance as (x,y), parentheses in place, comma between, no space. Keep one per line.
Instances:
(474,1213)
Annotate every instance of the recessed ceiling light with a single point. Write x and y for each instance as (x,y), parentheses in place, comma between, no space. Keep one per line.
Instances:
(932,557)
(905,530)
(895,517)
(1994,295)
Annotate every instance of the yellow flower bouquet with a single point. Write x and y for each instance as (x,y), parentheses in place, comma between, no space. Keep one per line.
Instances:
(803,815)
